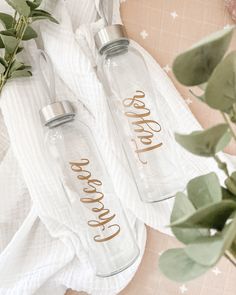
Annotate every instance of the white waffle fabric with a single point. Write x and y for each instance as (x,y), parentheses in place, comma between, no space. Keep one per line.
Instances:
(40,248)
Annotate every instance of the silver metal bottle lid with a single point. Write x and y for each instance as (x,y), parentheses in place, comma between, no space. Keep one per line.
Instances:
(109,35)
(57,113)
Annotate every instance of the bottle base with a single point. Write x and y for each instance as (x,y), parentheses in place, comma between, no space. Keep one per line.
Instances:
(120,269)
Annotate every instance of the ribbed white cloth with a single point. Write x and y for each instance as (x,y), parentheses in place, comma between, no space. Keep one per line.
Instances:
(40,246)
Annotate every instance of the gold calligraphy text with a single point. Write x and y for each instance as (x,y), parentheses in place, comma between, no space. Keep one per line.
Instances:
(95,198)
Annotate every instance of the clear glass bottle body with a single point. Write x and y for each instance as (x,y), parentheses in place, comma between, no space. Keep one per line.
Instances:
(111,245)
(148,143)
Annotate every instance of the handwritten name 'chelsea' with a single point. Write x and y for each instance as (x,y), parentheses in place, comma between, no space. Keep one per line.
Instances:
(95,198)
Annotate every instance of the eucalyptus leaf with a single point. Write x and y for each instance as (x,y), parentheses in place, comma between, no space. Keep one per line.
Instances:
(177,266)
(10,42)
(232,249)
(232,114)
(7,20)
(29,34)
(8,32)
(50,18)
(206,143)
(196,65)
(40,12)
(16,65)
(183,207)
(227,195)
(1,43)
(3,62)
(211,216)
(230,183)
(203,86)
(20,6)
(220,92)
(20,49)
(34,4)
(204,190)
(21,73)
(42,15)
(2,69)
(208,250)
(200,97)
(3,65)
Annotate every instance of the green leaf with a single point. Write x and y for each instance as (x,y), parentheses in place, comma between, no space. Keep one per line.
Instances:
(232,115)
(16,65)
(177,266)
(29,34)
(1,43)
(200,97)
(203,86)
(220,92)
(183,207)
(2,69)
(196,65)
(230,183)
(227,195)
(9,32)
(208,250)
(232,249)
(7,20)
(211,216)
(204,190)
(206,143)
(3,62)
(50,18)
(20,6)
(34,4)
(205,251)
(10,41)
(40,12)
(42,15)
(21,73)
(19,49)
(3,65)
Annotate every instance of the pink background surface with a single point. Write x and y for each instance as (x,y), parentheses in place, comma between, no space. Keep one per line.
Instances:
(166,28)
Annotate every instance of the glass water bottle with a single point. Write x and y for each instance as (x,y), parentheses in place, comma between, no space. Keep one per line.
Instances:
(111,245)
(143,128)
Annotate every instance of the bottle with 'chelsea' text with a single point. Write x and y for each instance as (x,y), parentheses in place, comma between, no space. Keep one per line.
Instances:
(111,245)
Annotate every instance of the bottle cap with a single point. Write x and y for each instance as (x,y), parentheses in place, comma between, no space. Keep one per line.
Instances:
(109,35)
(57,113)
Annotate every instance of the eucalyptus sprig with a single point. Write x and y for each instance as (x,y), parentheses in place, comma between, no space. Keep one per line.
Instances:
(204,218)
(17,28)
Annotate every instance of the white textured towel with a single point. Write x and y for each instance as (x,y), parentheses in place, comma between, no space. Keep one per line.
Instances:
(40,248)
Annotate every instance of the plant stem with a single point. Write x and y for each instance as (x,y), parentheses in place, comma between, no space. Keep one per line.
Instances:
(227,121)
(14,19)
(2,83)
(230,257)
(221,165)
(18,24)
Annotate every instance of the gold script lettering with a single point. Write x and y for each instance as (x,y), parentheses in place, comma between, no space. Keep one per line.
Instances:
(95,198)
(143,126)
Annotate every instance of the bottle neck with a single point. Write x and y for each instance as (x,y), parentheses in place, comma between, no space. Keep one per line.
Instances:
(60,121)
(117,47)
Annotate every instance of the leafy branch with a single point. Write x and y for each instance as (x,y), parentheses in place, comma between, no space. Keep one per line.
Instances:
(17,28)
(204,219)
